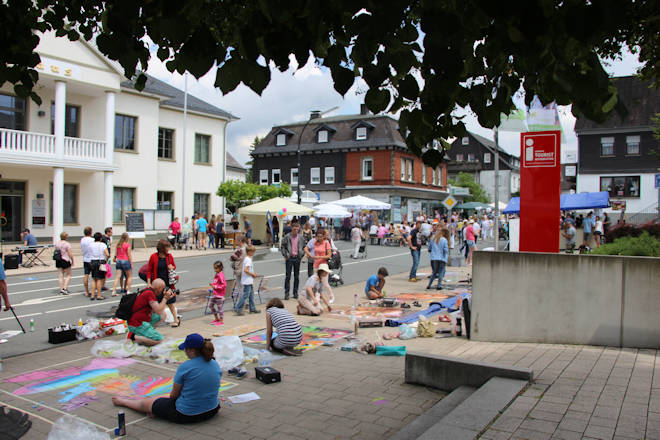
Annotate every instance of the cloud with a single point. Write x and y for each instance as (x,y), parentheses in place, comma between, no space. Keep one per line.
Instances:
(292,94)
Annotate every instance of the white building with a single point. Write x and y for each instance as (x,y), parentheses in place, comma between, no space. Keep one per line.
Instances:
(97,148)
(235,171)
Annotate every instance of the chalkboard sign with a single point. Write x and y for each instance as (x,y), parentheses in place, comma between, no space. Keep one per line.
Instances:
(135,224)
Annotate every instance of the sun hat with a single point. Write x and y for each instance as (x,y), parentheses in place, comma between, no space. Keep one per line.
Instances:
(324,267)
(193,340)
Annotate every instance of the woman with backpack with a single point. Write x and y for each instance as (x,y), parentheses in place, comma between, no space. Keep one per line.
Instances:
(63,261)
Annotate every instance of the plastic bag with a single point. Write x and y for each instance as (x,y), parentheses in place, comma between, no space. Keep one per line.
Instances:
(407,332)
(228,351)
(265,359)
(116,349)
(90,330)
(425,328)
(73,428)
(169,318)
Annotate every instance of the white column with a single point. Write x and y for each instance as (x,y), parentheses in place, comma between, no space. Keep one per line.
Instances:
(60,116)
(58,203)
(109,126)
(107,198)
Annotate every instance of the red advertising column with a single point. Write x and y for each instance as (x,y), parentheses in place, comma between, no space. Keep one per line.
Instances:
(540,187)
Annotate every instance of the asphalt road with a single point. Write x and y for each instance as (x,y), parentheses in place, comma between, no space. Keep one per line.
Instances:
(36,297)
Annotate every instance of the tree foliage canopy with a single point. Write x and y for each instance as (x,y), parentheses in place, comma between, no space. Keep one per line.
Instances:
(423,58)
(237,193)
(477,192)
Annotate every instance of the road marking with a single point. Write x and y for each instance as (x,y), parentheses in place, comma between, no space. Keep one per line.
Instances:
(22,316)
(82,307)
(38,301)
(36,416)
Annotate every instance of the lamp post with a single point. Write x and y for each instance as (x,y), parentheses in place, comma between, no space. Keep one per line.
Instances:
(315,114)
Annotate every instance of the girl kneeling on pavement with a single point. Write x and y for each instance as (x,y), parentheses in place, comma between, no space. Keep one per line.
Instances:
(194,396)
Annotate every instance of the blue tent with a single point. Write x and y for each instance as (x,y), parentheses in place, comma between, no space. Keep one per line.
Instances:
(569,202)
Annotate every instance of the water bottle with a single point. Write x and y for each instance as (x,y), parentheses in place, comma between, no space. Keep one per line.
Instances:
(31,324)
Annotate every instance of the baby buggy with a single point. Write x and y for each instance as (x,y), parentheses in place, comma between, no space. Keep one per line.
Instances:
(335,265)
(177,241)
(362,251)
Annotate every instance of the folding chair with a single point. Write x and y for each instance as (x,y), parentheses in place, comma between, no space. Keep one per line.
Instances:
(234,294)
(262,285)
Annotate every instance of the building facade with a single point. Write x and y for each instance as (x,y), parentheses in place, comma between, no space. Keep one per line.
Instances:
(348,155)
(621,154)
(235,171)
(474,154)
(97,148)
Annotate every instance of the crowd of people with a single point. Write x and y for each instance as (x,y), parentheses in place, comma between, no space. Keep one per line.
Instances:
(202,232)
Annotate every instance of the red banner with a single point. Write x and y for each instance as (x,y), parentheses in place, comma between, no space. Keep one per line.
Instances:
(540,187)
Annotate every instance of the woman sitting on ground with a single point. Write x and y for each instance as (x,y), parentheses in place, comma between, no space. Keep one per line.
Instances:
(289,332)
(308,303)
(194,396)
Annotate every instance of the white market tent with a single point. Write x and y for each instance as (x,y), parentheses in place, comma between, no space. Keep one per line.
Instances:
(331,210)
(307,198)
(256,213)
(361,202)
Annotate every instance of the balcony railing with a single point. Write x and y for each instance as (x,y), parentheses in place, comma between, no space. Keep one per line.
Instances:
(28,144)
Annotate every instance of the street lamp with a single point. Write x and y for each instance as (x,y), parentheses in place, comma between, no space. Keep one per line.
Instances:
(315,114)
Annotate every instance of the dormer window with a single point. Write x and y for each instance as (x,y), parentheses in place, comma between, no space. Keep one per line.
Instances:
(322,136)
(323,133)
(282,136)
(362,129)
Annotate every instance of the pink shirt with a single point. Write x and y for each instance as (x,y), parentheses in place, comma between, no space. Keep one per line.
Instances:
(175,227)
(122,251)
(219,285)
(294,245)
(469,233)
(64,248)
(320,249)
(382,231)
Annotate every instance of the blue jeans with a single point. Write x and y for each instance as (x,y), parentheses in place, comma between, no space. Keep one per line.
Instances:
(439,268)
(292,265)
(248,292)
(413,269)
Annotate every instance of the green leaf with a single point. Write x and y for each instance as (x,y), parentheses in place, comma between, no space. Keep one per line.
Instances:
(343,79)
(377,100)
(611,102)
(228,76)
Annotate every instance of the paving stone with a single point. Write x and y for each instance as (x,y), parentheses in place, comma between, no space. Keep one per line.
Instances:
(545,415)
(573,424)
(599,432)
(566,435)
(526,434)
(507,423)
(539,425)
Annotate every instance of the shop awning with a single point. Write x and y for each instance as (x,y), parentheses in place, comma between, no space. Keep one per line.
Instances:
(569,202)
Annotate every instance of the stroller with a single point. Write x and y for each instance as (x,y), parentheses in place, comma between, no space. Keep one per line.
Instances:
(335,264)
(177,241)
(362,251)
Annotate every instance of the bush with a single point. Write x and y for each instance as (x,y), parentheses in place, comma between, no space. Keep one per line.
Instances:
(628,230)
(644,245)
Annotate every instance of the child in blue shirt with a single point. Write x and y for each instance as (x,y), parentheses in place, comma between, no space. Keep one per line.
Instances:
(375,283)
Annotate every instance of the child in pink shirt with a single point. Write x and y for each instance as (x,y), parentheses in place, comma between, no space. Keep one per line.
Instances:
(219,285)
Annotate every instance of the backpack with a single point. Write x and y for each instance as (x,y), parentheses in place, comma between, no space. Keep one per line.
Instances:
(57,255)
(125,308)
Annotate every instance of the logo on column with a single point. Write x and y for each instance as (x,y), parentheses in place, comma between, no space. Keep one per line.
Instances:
(540,151)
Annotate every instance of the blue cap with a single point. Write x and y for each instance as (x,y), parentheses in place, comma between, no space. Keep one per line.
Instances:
(193,340)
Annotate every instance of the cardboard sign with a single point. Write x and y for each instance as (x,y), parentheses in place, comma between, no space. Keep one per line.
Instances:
(540,189)
(135,224)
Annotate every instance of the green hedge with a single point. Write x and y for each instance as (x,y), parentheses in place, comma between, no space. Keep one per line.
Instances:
(644,245)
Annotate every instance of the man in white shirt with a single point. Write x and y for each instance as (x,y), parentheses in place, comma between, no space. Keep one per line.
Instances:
(312,223)
(87,251)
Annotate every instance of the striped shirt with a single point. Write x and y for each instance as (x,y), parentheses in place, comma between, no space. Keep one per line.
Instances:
(289,332)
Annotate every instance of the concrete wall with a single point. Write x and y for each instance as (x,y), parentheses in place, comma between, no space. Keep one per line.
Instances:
(566,299)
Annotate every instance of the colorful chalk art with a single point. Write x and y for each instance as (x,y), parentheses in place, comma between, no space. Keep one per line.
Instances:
(78,386)
(312,337)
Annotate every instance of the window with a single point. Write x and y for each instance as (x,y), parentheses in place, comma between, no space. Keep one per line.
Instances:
(315,175)
(438,176)
(71,119)
(164,200)
(276,177)
(403,169)
(487,158)
(281,140)
(263,177)
(470,157)
(465,140)
(361,133)
(367,168)
(124,134)
(165,143)
(322,136)
(201,203)
(459,158)
(632,145)
(407,170)
(411,177)
(12,112)
(620,186)
(123,202)
(423,174)
(294,176)
(607,146)
(70,203)
(329,174)
(202,148)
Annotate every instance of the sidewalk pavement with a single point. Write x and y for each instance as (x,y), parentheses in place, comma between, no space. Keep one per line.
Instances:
(579,391)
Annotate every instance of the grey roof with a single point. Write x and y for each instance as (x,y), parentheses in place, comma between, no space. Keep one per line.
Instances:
(176,97)
(385,134)
(231,162)
(640,100)
(487,142)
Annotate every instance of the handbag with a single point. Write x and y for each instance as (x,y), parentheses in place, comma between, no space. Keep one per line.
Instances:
(108,270)
(103,267)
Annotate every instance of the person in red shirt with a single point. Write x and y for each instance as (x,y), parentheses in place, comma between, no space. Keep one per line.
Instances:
(158,267)
(146,313)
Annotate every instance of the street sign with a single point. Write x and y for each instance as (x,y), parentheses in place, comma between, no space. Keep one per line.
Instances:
(657,180)
(460,191)
(449,202)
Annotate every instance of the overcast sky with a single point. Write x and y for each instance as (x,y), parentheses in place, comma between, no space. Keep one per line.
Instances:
(291,95)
